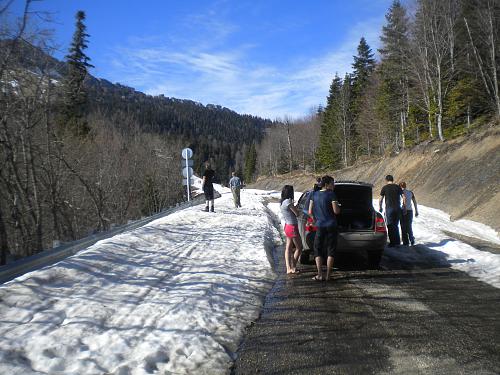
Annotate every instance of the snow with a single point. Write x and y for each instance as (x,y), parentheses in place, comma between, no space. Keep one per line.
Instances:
(175,295)
(430,228)
(172,296)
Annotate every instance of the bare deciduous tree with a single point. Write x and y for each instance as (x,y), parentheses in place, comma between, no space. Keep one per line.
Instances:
(484,40)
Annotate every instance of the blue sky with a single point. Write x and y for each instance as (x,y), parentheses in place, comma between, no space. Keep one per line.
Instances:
(268,58)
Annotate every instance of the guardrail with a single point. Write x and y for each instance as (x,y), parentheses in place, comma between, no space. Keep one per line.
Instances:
(47,257)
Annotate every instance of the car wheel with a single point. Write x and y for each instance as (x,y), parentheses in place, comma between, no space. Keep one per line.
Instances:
(310,240)
(374,258)
(304,257)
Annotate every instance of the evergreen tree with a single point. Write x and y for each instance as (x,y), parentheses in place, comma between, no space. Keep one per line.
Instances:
(363,66)
(250,164)
(75,95)
(394,70)
(328,153)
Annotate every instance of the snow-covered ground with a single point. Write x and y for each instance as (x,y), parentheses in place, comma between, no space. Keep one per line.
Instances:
(175,295)
(171,297)
(429,229)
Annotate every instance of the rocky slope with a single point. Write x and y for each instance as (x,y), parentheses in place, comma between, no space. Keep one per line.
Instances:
(461,176)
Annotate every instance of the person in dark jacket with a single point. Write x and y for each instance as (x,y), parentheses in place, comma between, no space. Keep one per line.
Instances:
(322,209)
(208,187)
(392,194)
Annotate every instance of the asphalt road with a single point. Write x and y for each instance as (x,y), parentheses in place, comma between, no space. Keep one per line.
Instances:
(421,318)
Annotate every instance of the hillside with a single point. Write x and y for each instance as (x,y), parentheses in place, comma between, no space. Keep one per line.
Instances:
(214,132)
(460,176)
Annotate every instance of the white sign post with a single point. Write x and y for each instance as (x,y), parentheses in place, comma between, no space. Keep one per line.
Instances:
(187,171)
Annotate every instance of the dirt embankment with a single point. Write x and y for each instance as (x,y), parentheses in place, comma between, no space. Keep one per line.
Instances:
(461,176)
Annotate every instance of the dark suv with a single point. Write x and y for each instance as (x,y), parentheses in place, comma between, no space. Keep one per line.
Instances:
(361,228)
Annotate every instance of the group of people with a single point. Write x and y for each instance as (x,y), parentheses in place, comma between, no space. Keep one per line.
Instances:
(207,186)
(322,209)
(398,210)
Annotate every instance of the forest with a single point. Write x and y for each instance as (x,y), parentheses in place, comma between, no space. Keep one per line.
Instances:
(435,78)
(80,155)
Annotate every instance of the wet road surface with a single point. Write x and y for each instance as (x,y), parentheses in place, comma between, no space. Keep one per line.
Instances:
(421,318)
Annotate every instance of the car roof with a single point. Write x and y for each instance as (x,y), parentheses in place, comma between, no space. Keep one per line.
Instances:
(352,182)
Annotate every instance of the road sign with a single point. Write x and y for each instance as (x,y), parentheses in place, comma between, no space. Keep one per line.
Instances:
(187,172)
(186,163)
(187,153)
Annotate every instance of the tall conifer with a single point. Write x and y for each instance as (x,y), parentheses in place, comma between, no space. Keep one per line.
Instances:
(363,67)
(394,69)
(328,154)
(250,163)
(75,96)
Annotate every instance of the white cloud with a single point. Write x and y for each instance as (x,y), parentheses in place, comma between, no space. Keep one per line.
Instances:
(228,76)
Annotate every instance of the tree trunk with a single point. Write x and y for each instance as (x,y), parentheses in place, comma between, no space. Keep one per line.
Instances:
(290,153)
(4,244)
(494,65)
(440,105)
(403,139)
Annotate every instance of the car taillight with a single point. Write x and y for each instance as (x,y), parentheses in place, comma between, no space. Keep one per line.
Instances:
(310,225)
(379,225)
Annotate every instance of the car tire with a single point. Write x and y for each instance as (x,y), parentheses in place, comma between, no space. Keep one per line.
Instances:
(374,258)
(304,257)
(310,240)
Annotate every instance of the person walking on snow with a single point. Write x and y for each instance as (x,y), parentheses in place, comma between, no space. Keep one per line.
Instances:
(392,194)
(322,209)
(407,217)
(208,187)
(290,212)
(235,186)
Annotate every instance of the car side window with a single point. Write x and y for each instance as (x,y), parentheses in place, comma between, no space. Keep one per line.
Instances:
(304,202)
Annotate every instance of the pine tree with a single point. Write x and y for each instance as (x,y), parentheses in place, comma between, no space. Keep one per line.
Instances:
(394,69)
(363,67)
(328,153)
(75,96)
(250,164)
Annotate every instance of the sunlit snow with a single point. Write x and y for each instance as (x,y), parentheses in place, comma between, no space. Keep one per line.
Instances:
(176,295)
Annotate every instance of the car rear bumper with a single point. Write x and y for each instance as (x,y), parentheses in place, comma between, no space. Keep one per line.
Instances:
(361,241)
(353,241)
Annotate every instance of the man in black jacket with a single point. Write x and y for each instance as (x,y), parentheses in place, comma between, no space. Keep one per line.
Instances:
(208,187)
(392,193)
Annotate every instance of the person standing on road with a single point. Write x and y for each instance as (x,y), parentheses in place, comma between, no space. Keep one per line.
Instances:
(290,212)
(235,186)
(392,194)
(407,217)
(322,209)
(208,187)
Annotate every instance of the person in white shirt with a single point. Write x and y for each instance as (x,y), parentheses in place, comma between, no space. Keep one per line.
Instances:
(407,217)
(293,240)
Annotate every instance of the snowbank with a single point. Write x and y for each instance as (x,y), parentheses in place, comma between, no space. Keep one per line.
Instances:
(172,296)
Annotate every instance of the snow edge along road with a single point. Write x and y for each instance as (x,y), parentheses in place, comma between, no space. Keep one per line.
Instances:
(173,296)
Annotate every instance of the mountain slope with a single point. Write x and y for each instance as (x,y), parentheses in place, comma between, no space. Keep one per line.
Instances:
(215,133)
(461,177)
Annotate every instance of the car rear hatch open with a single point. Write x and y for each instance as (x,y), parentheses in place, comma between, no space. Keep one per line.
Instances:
(356,211)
